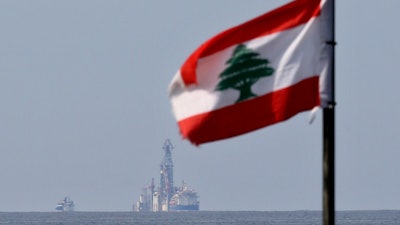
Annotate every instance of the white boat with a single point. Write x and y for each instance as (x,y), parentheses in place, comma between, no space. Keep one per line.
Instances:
(65,205)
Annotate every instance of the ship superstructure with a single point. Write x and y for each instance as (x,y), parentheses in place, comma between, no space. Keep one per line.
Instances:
(184,199)
(167,197)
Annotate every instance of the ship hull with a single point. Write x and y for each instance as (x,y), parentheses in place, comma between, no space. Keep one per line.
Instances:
(184,207)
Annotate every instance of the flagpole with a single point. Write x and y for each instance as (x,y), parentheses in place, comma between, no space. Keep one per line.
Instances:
(329,132)
(329,166)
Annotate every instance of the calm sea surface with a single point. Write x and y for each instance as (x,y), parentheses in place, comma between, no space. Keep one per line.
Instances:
(384,217)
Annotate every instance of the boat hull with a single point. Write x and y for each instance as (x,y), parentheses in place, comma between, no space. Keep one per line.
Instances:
(184,207)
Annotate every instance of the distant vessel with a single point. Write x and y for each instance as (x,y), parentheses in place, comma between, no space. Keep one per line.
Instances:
(184,199)
(65,205)
(167,197)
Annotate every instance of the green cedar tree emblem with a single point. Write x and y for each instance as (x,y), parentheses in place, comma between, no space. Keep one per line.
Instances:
(245,69)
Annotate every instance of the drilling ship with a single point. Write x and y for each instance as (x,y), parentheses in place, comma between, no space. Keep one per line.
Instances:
(167,197)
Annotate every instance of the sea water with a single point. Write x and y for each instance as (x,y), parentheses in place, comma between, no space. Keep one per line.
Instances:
(382,217)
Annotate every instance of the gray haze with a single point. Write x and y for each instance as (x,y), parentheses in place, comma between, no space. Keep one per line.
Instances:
(84,109)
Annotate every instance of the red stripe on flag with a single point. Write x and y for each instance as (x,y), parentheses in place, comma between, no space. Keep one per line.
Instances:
(252,114)
(288,16)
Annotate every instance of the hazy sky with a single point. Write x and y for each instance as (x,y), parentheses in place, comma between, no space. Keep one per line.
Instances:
(84,110)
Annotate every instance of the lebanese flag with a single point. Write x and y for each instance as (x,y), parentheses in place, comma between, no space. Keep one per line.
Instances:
(253,75)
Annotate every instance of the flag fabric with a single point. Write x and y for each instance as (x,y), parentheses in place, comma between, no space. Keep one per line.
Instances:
(253,75)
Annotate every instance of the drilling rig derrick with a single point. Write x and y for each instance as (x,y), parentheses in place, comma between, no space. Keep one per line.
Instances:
(167,172)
